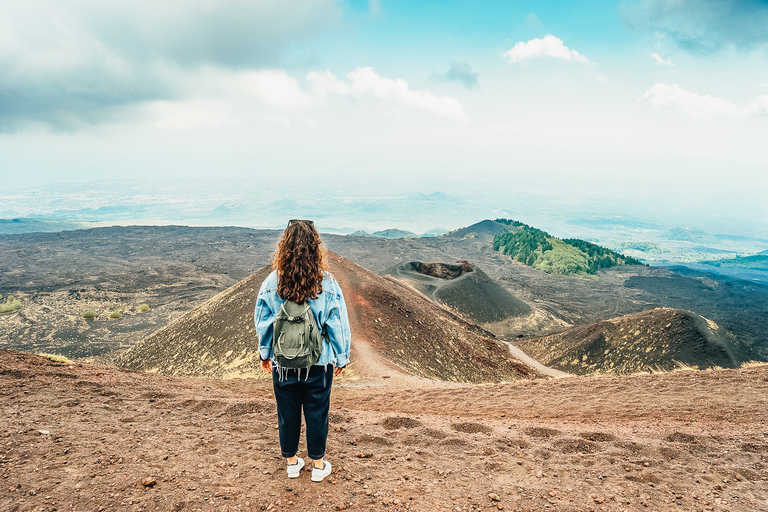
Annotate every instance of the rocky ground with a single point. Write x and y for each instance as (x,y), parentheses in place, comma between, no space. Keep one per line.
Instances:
(87,437)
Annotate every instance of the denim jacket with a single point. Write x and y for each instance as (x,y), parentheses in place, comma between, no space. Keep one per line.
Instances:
(329,310)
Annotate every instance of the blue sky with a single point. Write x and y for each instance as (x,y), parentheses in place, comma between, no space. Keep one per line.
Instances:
(662,91)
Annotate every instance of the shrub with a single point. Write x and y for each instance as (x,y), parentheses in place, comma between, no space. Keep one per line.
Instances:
(123,308)
(115,315)
(143,308)
(11,304)
(89,315)
(56,358)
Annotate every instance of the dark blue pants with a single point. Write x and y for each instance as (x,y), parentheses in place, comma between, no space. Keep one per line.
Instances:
(311,391)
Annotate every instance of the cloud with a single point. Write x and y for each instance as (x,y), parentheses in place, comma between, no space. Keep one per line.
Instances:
(532,21)
(365,81)
(694,105)
(275,89)
(191,115)
(69,64)
(760,105)
(701,26)
(660,61)
(548,46)
(460,72)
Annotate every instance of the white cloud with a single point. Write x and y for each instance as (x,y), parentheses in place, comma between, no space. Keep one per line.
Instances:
(760,105)
(212,95)
(600,78)
(365,82)
(548,46)
(326,82)
(691,104)
(277,90)
(191,115)
(70,64)
(660,60)
(532,21)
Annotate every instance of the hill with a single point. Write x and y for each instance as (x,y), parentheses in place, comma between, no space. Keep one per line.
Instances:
(88,437)
(392,233)
(392,325)
(755,262)
(569,256)
(482,228)
(464,288)
(660,339)
(395,233)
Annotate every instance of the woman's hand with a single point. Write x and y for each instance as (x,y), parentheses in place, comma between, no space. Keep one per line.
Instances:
(338,371)
(266,365)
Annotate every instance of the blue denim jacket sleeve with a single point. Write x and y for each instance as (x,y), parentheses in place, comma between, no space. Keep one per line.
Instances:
(336,322)
(329,310)
(267,305)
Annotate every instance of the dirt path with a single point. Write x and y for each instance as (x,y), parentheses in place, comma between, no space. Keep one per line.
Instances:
(519,354)
(85,437)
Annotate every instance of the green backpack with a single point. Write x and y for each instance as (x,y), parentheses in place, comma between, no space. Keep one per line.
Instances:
(296,340)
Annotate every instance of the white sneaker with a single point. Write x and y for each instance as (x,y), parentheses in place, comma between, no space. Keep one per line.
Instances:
(319,474)
(294,470)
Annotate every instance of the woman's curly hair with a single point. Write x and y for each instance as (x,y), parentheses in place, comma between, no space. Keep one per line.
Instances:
(299,262)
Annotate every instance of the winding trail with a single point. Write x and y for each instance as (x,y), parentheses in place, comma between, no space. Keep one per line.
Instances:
(519,354)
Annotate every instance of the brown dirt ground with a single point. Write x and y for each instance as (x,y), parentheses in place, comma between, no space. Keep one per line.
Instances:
(87,437)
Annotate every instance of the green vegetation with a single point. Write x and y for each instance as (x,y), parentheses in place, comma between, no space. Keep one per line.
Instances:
(115,315)
(513,223)
(55,358)
(89,315)
(756,262)
(143,308)
(540,250)
(11,304)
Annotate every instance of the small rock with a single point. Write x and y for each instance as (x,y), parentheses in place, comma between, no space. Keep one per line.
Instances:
(44,432)
(366,455)
(539,474)
(553,493)
(494,497)
(600,499)
(148,482)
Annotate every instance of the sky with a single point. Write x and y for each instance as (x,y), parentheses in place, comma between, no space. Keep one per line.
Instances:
(658,92)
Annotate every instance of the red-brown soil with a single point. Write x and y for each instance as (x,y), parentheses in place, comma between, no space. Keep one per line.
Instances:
(86,437)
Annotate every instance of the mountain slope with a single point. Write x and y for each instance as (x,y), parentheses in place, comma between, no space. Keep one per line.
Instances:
(393,327)
(464,288)
(657,339)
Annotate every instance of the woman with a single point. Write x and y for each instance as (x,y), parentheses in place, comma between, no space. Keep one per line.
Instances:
(301,276)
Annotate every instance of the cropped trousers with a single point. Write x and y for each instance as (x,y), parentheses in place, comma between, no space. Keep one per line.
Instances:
(309,390)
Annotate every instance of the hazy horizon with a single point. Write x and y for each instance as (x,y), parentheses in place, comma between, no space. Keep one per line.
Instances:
(640,109)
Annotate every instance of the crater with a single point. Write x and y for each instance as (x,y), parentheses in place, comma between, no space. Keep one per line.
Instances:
(444,271)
